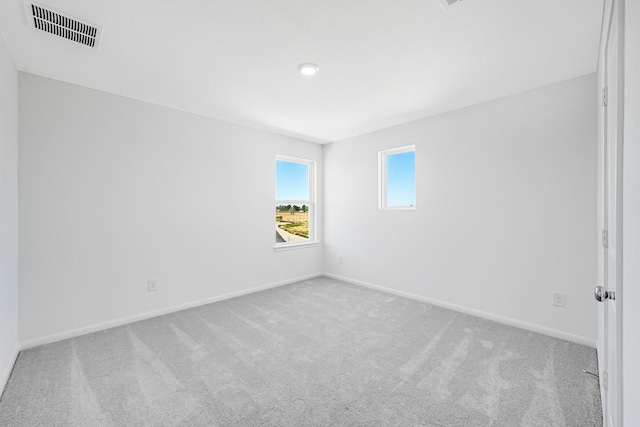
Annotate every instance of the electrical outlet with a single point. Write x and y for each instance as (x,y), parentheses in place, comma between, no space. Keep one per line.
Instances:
(340,259)
(558,299)
(152,285)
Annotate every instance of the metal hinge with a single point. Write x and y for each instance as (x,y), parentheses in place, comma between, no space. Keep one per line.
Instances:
(605,238)
(605,380)
(605,96)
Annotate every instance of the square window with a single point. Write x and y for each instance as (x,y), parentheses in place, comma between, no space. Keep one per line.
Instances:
(397,178)
(292,222)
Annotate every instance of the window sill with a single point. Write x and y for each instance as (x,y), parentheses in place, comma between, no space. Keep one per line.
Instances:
(399,208)
(292,246)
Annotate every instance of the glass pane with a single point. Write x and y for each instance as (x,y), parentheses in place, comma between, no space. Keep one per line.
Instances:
(292,223)
(401,179)
(292,181)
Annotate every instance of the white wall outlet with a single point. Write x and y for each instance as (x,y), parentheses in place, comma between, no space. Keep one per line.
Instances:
(340,259)
(558,299)
(152,285)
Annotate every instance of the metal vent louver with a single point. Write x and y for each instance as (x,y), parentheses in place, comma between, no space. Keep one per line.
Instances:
(50,21)
(448,3)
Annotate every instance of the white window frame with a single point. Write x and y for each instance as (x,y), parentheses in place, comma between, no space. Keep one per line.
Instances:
(382,178)
(313,238)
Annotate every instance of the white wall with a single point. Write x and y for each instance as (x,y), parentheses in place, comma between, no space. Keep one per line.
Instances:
(631,218)
(506,209)
(114,192)
(8,213)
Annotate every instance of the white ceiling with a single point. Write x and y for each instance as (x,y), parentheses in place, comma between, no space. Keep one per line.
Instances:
(382,62)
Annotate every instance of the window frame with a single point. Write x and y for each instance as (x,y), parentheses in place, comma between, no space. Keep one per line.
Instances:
(311,203)
(382,178)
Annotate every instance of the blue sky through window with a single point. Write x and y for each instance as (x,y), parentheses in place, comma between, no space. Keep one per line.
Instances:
(292,181)
(401,179)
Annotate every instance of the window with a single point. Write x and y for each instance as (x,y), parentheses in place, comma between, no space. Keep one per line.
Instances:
(295,202)
(397,172)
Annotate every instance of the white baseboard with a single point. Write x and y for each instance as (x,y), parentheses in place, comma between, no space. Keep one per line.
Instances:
(578,339)
(7,371)
(136,318)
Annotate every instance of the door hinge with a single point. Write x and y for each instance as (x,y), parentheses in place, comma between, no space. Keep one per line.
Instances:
(605,380)
(605,238)
(605,96)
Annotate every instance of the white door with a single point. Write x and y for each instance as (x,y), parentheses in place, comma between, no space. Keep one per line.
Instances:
(611,202)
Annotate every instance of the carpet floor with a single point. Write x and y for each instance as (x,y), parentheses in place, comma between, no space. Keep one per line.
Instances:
(315,353)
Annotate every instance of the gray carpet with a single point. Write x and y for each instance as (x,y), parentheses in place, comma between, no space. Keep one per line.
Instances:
(315,353)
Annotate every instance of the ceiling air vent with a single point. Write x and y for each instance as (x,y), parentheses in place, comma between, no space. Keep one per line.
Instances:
(446,4)
(50,21)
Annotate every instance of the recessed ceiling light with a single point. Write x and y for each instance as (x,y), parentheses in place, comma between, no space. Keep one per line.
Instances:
(308,70)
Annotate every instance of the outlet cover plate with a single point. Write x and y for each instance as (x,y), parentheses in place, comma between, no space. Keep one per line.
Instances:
(559,299)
